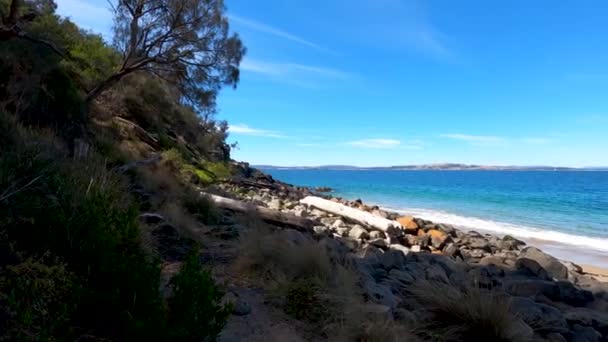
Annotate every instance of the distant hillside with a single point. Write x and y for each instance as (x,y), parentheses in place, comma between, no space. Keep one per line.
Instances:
(443,166)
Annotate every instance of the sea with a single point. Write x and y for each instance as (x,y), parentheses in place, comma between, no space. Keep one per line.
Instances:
(563,212)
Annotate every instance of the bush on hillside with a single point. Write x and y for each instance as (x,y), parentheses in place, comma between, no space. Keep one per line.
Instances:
(91,275)
(195,310)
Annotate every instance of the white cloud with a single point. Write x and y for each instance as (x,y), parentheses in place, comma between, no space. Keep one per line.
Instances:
(242,129)
(473,138)
(535,140)
(282,69)
(261,27)
(375,143)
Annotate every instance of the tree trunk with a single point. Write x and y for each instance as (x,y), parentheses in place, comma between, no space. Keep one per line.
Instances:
(270,215)
(359,216)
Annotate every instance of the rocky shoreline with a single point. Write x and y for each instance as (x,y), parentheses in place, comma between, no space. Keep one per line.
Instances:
(569,304)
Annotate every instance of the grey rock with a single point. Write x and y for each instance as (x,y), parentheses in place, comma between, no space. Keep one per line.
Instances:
(301,212)
(151,218)
(400,248)
(450,249)
(381,294)
(479,243)
(557,291)
(295,237)
(554,268)
(446,228)
(349,243)
(555,337)
(358,232)
(598,320)
(321,230)
(546,318)
(342,231)
(532,268)
(338,223)
(380,213)
(393,259)
(335,249)
(275,204)
(378,243)
(415,249)
(376,234)
(241,308)
(584,334)
(370,254)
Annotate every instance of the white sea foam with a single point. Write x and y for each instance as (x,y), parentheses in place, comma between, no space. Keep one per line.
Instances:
(524,232)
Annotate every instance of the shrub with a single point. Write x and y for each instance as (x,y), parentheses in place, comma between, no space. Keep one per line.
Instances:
(203,209)
(195,312)
(99,281)
(468,313)
(36,299)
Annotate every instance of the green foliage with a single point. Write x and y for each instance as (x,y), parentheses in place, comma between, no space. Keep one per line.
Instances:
(303,301)
(195,312)
(36,299)
(98,279)
(201,207)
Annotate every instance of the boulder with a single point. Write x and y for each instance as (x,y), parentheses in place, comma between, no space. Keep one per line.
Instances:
(561,291)
(342,231)
(598,320)
(510,243)
(358,232)
(554,268)
(531,268)
(275,204)
(438,238)
(337,224)
(450,249)
(381,243)
(380,213)
(400,248)
(408,223)
(151,218)
(479,243)
(546,318)
(446,228)
(321,230)
(584,334)
(393,259)
(376,234)
(380,294)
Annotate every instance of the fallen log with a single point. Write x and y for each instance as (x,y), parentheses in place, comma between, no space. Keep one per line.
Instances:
(269,215)
(376,222)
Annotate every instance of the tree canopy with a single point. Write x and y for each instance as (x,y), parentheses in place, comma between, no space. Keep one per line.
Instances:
(186,42)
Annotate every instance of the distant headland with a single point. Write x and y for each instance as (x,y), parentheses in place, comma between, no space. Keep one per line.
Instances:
(441,166)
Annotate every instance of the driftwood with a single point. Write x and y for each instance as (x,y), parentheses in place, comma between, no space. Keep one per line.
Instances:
(269,215)
(360,216)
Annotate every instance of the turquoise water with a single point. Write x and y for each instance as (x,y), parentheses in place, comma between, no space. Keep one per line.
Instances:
(564,207)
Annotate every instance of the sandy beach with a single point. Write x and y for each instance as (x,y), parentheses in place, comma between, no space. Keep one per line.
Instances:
(598,273)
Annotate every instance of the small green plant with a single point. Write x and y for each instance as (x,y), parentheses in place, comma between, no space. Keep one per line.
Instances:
(195,311)
(201,207)
(303,300)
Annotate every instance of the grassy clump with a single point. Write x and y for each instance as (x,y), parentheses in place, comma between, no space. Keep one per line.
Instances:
(195,310)
(451,313)
(91,275)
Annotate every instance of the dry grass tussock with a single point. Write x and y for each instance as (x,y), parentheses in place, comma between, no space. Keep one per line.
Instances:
(456,313)
(302,279)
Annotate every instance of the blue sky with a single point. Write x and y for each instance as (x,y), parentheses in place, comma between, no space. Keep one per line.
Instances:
(390,82)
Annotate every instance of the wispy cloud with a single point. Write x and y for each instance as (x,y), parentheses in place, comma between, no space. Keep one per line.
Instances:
(261,27)
(473,138)
(535,140)
(283,69)
(242,129)
(375,143)
(493,140)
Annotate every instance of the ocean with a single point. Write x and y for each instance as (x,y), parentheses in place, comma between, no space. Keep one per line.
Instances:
(564,211)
